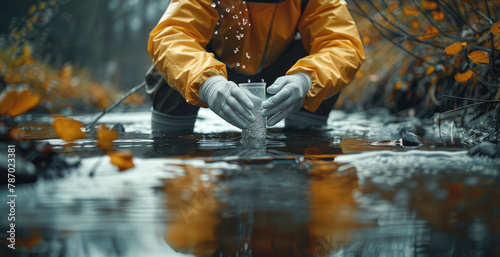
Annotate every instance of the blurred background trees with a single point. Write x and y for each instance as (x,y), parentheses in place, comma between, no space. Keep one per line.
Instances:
(107,37)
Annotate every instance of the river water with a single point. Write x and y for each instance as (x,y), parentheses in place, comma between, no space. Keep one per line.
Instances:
(305,193)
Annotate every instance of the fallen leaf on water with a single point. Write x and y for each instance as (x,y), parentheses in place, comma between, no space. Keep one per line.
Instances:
(14,102)
(68,129)
(463,77)
(479,57)
(455,48)
(105,137)
(121,159)
(495,28)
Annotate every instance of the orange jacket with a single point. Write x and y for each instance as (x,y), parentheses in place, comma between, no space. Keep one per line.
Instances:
(242,33)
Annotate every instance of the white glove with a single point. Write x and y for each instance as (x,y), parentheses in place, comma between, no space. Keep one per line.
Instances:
(228,101)
(289,92)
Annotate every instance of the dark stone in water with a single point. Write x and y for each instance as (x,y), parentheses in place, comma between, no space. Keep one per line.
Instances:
(485,149)
(410,139)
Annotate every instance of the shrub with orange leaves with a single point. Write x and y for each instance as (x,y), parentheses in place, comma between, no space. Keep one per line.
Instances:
(14,102)
(68,129)
(436,48)
(121,159)
(105,137)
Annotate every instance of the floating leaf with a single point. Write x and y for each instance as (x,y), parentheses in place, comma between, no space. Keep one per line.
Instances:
(121,159)
(409,11)
(495,28)
(105,137)
(455,48)
(68,129)
(430,32)
(479,57)
(463,77)
(15,102)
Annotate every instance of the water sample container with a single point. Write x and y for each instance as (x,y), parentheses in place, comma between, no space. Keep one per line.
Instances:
(255,134)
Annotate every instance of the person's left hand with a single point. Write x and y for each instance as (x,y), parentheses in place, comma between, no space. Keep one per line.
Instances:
(289,92)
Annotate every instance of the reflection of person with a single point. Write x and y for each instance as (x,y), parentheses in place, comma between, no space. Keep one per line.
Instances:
(203,48)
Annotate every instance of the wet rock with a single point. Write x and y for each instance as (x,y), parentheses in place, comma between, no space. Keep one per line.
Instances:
(410,139)
(485,149)
(118,127)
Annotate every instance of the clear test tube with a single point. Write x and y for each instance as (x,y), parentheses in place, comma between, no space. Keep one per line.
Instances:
(255,134)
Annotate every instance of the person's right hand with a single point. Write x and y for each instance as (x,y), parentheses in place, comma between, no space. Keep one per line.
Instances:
(228,101)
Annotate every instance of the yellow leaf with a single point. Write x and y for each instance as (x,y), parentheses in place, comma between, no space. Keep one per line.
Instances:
(398,85)
(68,129)
(409,11)
(438,16)
(105,137)
(429,70)
(429,5)
(121,159)
(15,102)
(495,28)
(479,57)
(463,77)
(415,24)
(455,48)
(430,32)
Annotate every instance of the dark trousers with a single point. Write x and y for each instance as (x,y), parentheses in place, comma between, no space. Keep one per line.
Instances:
(168,100)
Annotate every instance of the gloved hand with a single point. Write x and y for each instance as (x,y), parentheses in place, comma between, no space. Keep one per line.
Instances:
(228,101)
(289,92)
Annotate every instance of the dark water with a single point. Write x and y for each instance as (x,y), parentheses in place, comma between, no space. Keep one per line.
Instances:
(305,193)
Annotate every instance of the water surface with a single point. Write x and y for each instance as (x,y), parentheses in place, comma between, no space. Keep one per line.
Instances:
(306,193)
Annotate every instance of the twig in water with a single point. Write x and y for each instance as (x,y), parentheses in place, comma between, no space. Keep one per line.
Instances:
(109,109)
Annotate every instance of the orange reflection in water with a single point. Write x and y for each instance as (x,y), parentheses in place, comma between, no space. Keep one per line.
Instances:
(198,226)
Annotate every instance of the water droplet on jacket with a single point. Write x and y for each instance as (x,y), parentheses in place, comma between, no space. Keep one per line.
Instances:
(213,5)
(243,66)
(247,55)
(249,81)
(216,32)
(262,80)
(244,2)
(239,23)
(238,64)
(228,10)
(232,6)
(226,38)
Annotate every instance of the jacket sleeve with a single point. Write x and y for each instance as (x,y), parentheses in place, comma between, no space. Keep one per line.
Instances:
(335,50)
(177,46)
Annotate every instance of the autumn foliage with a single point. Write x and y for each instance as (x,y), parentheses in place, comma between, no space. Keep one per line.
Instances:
(14,102)
(418,51)
(68,129)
